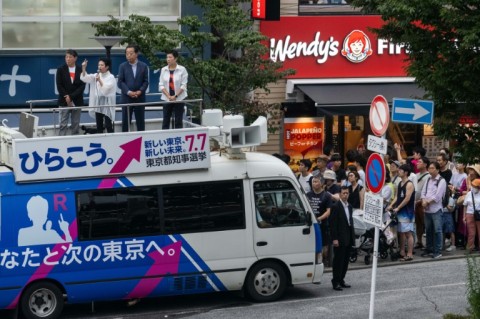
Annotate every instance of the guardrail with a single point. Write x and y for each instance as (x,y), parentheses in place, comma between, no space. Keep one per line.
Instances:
(158,105)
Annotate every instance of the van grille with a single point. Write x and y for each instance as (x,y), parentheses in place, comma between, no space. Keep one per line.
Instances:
(189,283)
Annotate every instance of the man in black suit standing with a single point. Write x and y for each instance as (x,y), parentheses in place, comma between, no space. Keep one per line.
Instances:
(133,81)
(342,233)
(70,92)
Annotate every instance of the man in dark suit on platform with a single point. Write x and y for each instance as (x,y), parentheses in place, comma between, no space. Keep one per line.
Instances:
(133,81)
(70,92)
(343,236)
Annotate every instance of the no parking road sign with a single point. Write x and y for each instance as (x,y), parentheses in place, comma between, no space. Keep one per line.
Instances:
(375,173)
(379,115)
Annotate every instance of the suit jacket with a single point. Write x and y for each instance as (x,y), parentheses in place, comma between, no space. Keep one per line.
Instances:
(66,87)
(127,82)
(339,228)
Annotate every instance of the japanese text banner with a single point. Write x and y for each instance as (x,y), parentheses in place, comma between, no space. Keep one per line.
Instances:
(110,154)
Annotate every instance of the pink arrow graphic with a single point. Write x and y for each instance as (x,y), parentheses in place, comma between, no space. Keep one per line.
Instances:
(131,152)
(163,264)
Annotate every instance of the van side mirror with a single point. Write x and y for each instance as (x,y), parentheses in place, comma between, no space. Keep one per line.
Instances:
(309,219)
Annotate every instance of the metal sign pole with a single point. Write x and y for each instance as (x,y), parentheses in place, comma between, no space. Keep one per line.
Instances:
(374,267)
(374,274)
(379,121)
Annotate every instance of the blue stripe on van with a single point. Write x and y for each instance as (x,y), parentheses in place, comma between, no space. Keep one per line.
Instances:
(318,238)
(199,261)
(125,181)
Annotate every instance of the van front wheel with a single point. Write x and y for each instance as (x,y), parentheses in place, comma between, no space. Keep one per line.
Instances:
(42,300)
(266,281)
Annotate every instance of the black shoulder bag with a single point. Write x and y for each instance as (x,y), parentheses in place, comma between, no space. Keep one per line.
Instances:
(476,212)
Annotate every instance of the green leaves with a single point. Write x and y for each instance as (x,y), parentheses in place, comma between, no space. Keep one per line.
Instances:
(239,62)
(444,41)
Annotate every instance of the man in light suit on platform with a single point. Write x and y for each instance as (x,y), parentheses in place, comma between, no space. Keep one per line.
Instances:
(343,236)
(133,81)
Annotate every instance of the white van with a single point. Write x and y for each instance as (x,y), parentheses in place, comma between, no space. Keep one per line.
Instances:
(145,214)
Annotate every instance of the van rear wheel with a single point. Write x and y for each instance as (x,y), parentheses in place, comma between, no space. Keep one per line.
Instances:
(266,281)
(42,300)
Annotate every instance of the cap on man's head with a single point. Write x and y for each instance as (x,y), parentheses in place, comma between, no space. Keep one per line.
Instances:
(397,163)
(476,182)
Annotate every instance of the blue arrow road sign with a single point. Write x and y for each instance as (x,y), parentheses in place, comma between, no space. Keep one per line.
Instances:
(412,111)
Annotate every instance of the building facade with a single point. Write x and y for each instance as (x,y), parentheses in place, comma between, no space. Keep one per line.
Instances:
(341,65)
(35,34)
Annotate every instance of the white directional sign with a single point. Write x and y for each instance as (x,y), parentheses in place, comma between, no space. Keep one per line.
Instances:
(412,111)
(377,144)
(373,208)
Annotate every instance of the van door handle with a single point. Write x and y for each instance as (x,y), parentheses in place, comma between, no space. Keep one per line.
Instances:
(262,243)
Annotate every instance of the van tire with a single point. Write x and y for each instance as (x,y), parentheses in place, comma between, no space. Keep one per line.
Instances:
(42,300)
(266,281)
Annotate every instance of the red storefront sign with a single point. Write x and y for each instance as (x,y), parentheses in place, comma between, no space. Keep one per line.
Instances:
(468,120)
(333,47)
(303,139)
(258,9)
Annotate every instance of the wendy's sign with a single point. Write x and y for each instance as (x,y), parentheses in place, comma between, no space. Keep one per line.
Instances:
(333,47)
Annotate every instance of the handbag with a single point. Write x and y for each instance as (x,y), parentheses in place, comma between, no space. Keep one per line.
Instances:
(476,212)
(460,200)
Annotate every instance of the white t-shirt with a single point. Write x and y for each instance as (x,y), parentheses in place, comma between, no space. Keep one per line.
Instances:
(457,179)
(304,182)
(469,204)
(361,173)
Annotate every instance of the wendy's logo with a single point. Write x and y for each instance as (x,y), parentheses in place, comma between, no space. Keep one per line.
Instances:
(356,47)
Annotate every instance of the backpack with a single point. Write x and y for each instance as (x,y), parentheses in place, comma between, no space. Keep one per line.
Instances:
(447,193)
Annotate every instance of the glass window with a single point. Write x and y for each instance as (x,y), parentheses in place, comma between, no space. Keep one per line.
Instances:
(172,25)
(30,8)
(91,8)
(152,7)
(203,207)
(77,34)
(115,213)
(277,204)
(31,35)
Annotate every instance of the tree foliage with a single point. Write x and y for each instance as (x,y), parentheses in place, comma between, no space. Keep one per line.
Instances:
(237,65)
(443,42)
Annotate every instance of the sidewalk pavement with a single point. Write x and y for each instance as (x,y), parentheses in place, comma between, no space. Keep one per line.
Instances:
(360,262)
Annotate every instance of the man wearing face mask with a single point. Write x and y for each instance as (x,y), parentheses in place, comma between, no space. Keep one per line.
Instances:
(432,195)
(472,204)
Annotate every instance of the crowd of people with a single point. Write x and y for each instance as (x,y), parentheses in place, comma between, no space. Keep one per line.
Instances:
(132,80)
(436,203)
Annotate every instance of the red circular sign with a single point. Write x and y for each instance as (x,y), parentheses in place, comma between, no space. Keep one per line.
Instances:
(379,115)
(375,173)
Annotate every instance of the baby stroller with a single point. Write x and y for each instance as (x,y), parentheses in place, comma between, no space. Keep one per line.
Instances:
(386,243)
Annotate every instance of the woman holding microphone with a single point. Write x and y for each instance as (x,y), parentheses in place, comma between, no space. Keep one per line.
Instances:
(102,94)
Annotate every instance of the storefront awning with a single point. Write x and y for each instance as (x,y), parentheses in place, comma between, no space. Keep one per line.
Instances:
(355,98)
